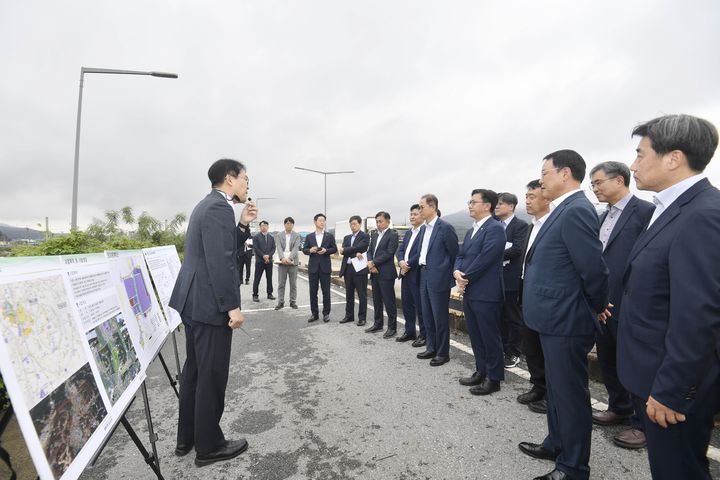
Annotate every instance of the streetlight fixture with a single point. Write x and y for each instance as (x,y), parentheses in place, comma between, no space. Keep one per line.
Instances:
(83,71)
(325,174)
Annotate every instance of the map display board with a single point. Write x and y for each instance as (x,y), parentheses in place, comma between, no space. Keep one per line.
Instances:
(47,367)
(164,265)
(141,311)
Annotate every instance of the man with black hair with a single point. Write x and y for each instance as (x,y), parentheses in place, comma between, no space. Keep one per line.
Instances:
(264,249)
(319,246)
(207,296)
(354,246)
(288,249)
(381,265)
(408,254)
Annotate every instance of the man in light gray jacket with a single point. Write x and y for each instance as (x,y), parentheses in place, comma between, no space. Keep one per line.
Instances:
(288,246)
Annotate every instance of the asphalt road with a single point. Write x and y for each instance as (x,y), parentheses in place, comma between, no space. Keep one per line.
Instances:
(328,401)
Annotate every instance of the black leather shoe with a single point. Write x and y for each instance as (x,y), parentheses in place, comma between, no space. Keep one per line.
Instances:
(255,298)
(531,396)
(389,333)
(293,305)
(271,297)
(536,450)
(538,407)
(326,317)
(425,355)
(475,379)
(279,306)
(314,318)
(437,361)
(181,450)
(420,342)
(486,387)
(347,319)
(232,449)
(405,337)
(554,475)
(373,329)
(361,323)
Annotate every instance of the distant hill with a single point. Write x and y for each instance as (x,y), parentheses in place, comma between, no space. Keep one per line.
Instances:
(20,233)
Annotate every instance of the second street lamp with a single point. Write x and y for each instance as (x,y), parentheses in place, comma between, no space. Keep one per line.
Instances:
(325,174)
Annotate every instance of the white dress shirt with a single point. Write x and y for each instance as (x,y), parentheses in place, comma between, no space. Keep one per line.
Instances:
(613,214)
(319,239)
(413,236)
(554,204)
(664,199)
(506,222)
(478,224)
(537,225)
(429,226)
(379,237)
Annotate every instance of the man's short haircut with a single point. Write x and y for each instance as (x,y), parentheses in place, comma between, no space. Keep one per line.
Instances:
(382,214)
(414,206)
(613,169)
(318,215)
(223,167)
(439,213)
(533,184)
(570,159)
(695,137)
(264,222)
(431,200)
(289,220)
(488,196)
(509,198)
(356,218)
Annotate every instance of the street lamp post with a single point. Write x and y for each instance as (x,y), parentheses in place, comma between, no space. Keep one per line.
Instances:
(325,174)
(83,71)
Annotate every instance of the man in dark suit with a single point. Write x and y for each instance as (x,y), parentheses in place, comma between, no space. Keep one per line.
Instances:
(438,249)
(478,276)
(408,253)
(564,291)
(319,246)
(625,218)
(264,249)
(207,295)
(354,246)
(511,325)
(381,264)
(244,256)
(669,333)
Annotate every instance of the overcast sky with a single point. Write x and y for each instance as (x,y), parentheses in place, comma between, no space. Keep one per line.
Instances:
(414,96)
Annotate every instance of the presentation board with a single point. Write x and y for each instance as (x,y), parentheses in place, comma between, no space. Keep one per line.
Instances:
(164,264)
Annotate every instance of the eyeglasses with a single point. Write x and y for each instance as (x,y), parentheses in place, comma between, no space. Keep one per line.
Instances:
(243,177)
(545,172)
(470,203)
(597,183)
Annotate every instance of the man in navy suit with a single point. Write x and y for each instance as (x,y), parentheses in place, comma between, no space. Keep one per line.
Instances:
(319,246)
(438,249)
(511,324)
(207,295)
(564,291)
(478,276)
(264,249)
(669,334)
(625,218)
(381,264)
(354,246)
(408,254)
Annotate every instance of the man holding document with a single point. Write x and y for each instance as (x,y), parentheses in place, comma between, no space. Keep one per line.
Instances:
(354,270)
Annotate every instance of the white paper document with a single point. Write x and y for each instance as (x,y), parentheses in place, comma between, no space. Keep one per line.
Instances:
(359,263)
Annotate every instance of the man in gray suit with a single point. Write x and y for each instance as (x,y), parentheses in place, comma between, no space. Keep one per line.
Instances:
(288,247)
(207,295)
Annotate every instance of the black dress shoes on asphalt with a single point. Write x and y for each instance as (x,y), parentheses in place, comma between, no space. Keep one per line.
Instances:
(232,449)
(373,329)
(256,298)
(314,318)
(539,406)
(486,387)
(536,450)
(406,337)
(361,322)
(531,396)
(437,361)
(425,355)
(271,297)
(347,319)
(554,475)
(293,305)
(475,379)
(389,333)
(279,306)
(420,342)
(326,317)
(181,449)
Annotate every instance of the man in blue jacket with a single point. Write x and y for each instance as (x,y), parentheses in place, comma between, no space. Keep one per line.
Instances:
(408,254)
(381,265)
(319,246)
(669,335)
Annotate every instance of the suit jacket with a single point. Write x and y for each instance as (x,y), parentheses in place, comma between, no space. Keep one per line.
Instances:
(413,257)
(632,222)
(517,234)
(481,260)
(566,280)
(440,258)
(263,246)
(670,327)
(208,285)
(320,263)
(384,255)
(294,249)
(360,245)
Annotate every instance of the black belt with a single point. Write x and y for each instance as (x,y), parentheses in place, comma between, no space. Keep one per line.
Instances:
(423,267)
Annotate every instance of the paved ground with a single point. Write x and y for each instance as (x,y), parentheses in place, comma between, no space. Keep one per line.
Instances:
(328,401)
